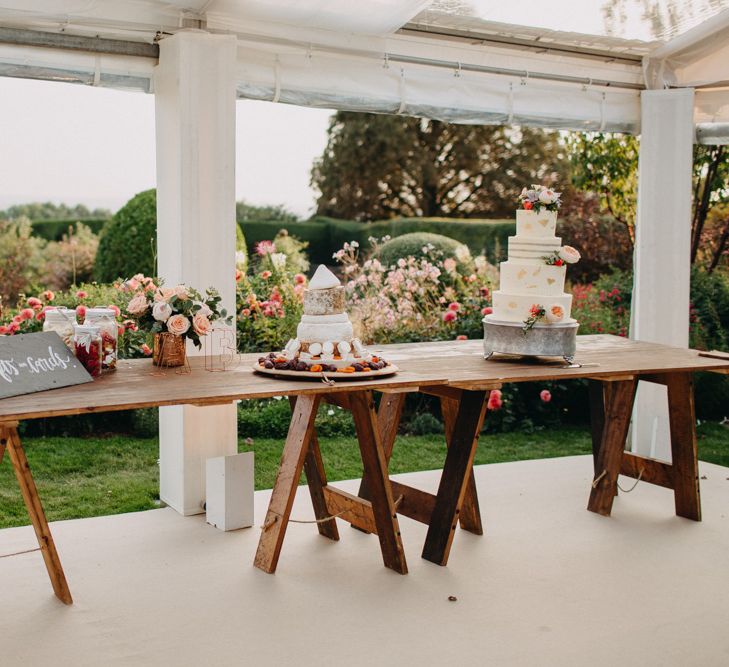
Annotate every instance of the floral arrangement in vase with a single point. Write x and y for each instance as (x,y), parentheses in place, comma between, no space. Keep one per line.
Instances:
(174,314)
(539,197)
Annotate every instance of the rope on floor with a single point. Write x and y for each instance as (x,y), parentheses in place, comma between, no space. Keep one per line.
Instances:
(19,553)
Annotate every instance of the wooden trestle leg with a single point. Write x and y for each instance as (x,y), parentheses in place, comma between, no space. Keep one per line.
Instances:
(470,516)
(316,479)
(287,480)
(618,412)
(375,472)
(456,475)
(684,452)
(10,440)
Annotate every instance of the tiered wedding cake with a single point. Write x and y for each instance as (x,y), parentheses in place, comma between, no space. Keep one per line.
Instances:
(531,299)
(325,339)
(532,279)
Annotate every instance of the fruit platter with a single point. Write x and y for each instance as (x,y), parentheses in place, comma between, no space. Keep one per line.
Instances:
(277,365)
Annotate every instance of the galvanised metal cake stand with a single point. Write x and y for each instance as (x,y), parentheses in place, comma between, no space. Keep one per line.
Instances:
(542,340)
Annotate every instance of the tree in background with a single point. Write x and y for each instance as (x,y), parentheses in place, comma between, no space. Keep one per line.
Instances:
(51,211)
(245,212)
(380,166)
(607,164)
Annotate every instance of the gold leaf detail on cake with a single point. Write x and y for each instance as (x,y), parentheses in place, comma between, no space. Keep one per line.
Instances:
(521,274)
(528,225)
(544,222)
(512,305)
(531,287)
(551,281)
(537,272)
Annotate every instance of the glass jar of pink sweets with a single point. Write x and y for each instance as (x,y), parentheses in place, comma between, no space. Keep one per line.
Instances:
(87,348)
(105,319)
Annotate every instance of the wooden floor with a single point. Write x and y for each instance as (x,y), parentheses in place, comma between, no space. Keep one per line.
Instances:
(548,584)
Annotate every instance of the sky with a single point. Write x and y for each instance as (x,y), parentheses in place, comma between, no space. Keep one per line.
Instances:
(81,145)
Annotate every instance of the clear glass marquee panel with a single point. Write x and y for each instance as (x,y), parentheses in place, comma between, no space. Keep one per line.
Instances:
(648,21)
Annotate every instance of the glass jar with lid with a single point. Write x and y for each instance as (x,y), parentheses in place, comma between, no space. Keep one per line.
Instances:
(105,319)
(87,347)
(62,321)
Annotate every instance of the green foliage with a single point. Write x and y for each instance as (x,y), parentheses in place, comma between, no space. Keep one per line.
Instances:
(412,245)
(270,418)
(326,235)
(71,260)
(424,423)
(245,212)
(51,211)
(54,230)
(295,251)
(21,260)
(241,250)
(418,167)
(710,305)
(607,164)
(129,240)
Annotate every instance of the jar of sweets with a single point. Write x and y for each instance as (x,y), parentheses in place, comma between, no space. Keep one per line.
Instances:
(105,319)
(62,321)
(87,347)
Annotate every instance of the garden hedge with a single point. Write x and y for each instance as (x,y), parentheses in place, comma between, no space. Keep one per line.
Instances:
(327,235)
(128,243)
(411,245)
(53,230)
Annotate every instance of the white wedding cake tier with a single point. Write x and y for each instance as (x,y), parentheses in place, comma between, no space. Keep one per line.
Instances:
(532,279)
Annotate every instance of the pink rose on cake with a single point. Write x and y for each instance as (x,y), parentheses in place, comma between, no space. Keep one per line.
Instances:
(548,196)
(178,325)
(569,254)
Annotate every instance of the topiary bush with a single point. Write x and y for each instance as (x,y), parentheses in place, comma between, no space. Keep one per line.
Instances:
(411,245)
(128,243)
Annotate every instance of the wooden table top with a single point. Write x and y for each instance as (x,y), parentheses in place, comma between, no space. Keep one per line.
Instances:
(138,384)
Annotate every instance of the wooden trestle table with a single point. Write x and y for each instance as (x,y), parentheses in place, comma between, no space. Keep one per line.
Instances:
(453,371)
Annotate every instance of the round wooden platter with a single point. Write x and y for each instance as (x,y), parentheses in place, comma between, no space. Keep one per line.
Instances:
(319,375)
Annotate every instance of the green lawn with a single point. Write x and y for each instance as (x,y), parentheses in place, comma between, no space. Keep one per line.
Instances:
(80,477)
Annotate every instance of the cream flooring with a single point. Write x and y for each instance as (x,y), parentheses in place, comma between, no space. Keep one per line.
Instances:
(549,584)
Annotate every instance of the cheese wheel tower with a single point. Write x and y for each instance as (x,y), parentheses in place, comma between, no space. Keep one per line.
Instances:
(325,332)
(530,277)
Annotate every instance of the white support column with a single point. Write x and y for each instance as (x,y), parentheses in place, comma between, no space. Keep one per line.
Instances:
(660,311)
(194,86)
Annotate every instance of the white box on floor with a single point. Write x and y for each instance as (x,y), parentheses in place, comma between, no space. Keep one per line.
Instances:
(229,491)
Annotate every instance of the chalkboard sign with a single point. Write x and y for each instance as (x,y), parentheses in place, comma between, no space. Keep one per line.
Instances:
(36,362)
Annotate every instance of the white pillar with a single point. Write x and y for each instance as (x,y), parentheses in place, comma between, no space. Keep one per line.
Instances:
(660,312)
(194,86)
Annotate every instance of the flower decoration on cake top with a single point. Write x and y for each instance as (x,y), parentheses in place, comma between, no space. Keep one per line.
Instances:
(565,255)
(539,197)
(325,340)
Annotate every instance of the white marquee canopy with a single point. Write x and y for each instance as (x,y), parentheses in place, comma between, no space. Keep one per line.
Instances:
(571,65)
(659,69)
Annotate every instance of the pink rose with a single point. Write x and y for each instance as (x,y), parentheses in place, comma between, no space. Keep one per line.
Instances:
(17,319)
(116,310)
(461,337)
(35,303)
(238,275)
(40,316)
(300,279)
(146,350)
(266,275)
(81,312)
(164,294)
(495,402)
(27,313)
(48,295)
(13,327)
(454,306)
(80,294)
(181,292)
(569,254)
(449,316)
(545,395)
(487,310)
(138,305)
(178,324)
(4,330)
(201,324)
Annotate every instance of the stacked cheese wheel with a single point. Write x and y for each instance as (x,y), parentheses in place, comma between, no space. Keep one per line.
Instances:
(325,339)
